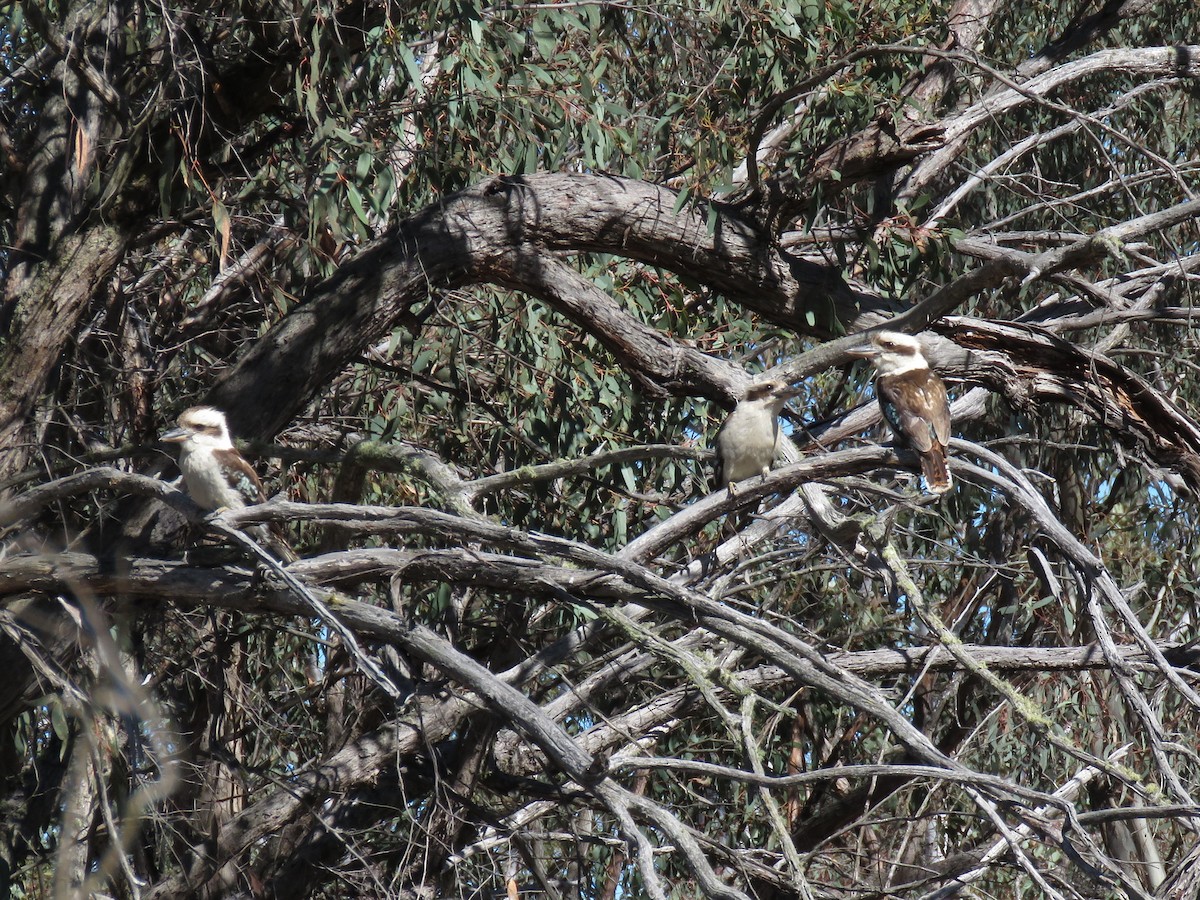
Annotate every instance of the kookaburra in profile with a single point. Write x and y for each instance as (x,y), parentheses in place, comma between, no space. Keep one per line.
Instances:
(749,440)
(913,400)
(215,475)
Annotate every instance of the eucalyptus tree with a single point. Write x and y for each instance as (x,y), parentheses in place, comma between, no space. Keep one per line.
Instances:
(477,283)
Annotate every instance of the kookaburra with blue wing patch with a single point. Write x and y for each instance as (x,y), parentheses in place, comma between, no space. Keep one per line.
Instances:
(748,441)
(913,400)
(215,474)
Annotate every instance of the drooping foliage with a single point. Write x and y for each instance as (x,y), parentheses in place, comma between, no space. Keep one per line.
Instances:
(476,283)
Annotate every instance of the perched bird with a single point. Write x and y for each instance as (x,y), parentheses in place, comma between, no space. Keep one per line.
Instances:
(913,400)
(749,439)
(215,475)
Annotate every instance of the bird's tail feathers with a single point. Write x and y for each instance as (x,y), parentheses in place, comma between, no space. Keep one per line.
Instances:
(937,474)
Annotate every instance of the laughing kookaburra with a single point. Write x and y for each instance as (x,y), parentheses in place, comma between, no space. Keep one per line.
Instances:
(913,400)
(215,475)
(749,440)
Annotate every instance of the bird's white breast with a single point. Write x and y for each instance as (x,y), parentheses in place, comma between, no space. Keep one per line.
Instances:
(748,441)
(206,480)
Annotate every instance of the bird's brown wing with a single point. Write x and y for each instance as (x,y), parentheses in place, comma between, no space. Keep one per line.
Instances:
(935,392)
(241,475)
(906,402)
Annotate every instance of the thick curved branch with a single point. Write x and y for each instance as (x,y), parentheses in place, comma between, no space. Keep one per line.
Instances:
(1082,250)
(1083,30)
(497,232)
(19,509)
(1028,367)
(1148,62)
(660,364)
(232,587)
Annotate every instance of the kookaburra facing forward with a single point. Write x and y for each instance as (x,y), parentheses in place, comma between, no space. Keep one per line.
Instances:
(215,475)
(749,440)
(913,400)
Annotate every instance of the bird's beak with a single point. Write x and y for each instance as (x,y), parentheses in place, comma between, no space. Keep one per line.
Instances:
(176,435)
(867,352)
